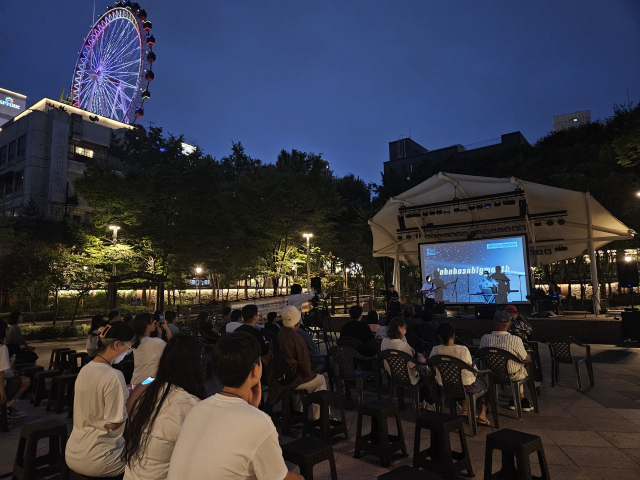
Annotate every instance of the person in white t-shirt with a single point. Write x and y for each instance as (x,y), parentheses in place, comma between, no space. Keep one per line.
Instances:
(147,350)
(297,298)
(472,383)
(12,385)
(158,410)
(236,321)
(226,436)
(94,448)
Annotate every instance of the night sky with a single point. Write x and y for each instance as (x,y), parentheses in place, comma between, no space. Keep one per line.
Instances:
(346,77)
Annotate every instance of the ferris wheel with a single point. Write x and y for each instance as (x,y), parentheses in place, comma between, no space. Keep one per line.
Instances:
(114,63)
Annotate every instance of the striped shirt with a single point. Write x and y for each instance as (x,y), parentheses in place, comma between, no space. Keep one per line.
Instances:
(508,342)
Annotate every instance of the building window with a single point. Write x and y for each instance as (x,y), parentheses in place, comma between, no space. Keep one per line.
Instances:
(8,188)
(12,153)
(3,156)
(80,154)
(22,147)
(18,182)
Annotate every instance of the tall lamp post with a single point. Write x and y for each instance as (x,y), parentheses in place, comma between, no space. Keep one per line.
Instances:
(114,240)
(308,237)
(198,271)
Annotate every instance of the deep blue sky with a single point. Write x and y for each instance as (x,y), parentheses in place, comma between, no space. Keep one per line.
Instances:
(346,77)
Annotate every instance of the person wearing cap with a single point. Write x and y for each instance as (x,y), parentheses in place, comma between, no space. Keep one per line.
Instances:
(502,339)
(95,446)
(296,355)
(519,325)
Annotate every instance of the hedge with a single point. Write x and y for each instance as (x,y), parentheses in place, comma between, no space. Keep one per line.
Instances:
(30,316)
(48,332)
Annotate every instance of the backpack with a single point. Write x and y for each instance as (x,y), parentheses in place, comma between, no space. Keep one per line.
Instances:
(281,368)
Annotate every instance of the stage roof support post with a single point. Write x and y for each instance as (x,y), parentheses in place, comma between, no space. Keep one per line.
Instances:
(595,286)
(396,271)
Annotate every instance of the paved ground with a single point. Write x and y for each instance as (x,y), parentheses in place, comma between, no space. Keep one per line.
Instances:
(594,434)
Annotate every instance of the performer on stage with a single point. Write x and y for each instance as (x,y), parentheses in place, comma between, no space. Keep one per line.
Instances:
(487,285)
(504,285)
(438,284)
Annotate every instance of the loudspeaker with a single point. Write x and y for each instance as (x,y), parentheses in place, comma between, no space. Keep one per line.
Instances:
(316,284)
(631,324)
(485,312)
(628,274)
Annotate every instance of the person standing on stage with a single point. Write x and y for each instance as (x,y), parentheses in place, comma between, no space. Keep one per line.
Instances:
(438,283)
(504,285)
(487,285)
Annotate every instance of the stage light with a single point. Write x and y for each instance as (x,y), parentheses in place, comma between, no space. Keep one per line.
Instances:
(471,207)
(412,215)
(547,251)
(471,235)
(561,249)
(432,212)
(638,194)
(492,230)
(550,222)
(497,203)
(438,212)
(479,206)
(561,221)
(539,252)
(456,209)
(538,223)
(485,231)
(509,201)
(500,229)
(399,237)
(408,236)
(507,229)
(425,213)
(487,205)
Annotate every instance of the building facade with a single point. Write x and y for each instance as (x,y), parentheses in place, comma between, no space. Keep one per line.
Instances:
(43,150)
(570,120)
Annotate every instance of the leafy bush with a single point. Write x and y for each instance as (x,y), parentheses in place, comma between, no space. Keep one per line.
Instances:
(48,332)
(31,316)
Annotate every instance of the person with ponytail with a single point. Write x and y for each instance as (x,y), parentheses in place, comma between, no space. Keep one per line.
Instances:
(95,446)
(148,350)
(157,410)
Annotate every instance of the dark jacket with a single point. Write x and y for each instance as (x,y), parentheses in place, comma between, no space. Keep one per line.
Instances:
(297,356)
(358,330)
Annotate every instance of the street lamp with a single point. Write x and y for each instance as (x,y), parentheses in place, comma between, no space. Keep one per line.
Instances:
(198,271)
(308,237)
(346,282)
(114,240)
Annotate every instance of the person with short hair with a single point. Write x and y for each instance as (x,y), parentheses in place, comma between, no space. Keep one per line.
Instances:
(158,410)
(271,324)
(372,321)
(115,316)
(148,349)
(251,318)
(472,383)
(236,321)
(297,298)
(230,424)
(519,325)
(95,446)
(502,339)
(172,319)
(18,346)
(12,385)
(226,317)
(356,328)
(128,318)
(211,333)
(295,353)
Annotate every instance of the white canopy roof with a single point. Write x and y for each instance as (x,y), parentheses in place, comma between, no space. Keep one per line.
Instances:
(584,217)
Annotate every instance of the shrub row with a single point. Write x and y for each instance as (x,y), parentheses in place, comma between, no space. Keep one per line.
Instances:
(31,316)
(48,332)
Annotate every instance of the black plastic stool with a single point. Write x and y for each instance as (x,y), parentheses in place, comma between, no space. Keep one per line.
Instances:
(307,452)
(406,472)
(287,417)
(54,361)
(378,441)
(515,446)
(439,457)
(30,373)
(324,428)
(65,360)
(73,361)
(27,465)
(61,393)
(39,391)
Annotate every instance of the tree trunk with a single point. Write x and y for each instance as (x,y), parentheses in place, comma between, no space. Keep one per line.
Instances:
(246,289)
(55,311)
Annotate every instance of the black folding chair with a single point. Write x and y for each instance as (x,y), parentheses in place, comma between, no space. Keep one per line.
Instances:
(560,349)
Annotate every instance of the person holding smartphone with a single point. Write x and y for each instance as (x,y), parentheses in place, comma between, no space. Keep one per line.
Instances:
(148,350)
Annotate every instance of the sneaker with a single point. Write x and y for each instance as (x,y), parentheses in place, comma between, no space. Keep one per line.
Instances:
(512,405)
(526,406)
(12,413)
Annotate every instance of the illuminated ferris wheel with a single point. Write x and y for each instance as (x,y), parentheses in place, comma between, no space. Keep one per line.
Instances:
(114,63)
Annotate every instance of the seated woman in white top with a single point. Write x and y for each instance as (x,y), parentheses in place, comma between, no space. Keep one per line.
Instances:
(94,448)
(97,321)
(471,382)
(147,350)
(396,331)
(158,410)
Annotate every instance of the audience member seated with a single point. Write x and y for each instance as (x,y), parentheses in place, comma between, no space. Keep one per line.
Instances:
(356,328)
(172,319)
(501,338)
(158,410)
(251,317)
(472,383)
(95,446)
(226,317)
(115,316)
(412,323)
(12,385)
(225,436)
(318,360)
(373,321)
(97,321)
(426,315)
(128,318)
(236,321)
(519,325)
(148,350)
(206,327)
(271,324)
(295,353)
(15,341)
(395,341)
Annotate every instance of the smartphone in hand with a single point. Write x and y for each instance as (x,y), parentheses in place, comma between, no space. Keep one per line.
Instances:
(148,380)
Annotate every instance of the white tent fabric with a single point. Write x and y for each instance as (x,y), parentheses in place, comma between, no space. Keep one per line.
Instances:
(588,225)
